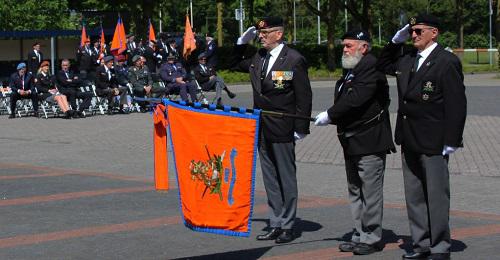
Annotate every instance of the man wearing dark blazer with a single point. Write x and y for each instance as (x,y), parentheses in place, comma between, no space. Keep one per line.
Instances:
(280,83)
(429,127)
(22,86)
(107,85)
(211,52)
(35,57)
(69,85)
(207,77)
(364,131)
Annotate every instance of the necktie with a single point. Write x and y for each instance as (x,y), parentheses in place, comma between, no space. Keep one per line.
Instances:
(415,66)
(22,81)
(263,72)
(175,68)
(109,75)
(204,68)
(66,73)
(38,56)
(345,79)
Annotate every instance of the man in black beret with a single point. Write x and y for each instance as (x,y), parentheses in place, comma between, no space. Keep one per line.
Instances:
(107,85)
(360,111)
(280,82)
(429,128)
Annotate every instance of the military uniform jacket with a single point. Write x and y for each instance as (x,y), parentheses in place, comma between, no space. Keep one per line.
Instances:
(33,63)
(432,102)
(360,109)
(102,78)
(169,73)
(203,76)
(139,77)
(16,82)
(67,82)
(286,89)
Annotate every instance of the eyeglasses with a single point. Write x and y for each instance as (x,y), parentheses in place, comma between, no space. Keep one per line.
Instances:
(203,59)
(419,31)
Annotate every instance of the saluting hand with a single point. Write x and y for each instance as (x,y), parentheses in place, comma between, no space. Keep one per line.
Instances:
(247,36)
(402,35)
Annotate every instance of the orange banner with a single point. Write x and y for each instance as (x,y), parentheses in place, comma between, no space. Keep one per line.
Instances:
(189,40)
(119,43)
(160,148)
(215,153)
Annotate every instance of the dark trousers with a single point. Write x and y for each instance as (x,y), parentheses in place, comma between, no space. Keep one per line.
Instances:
(216,83)
(72,94)
(183,90)
(427,192)
(14,97)
(280,180)
(109,94)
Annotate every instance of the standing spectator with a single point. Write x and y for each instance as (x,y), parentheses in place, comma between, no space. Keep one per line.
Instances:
(360,106)
(85,57)
(131,47)
(47,90)
(150,56)
(35,57)
(429,127)
(69,85)
(22,87)
(107,85)
(172,48)
(208,79)
(211,52)
(175,76)
(280,83)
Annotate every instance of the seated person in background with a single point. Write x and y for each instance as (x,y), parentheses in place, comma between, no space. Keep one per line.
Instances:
(175,76)
(121,72)
(208,79)
(142,83)
(107,85)
(22,87)
(69,85)
(48,91)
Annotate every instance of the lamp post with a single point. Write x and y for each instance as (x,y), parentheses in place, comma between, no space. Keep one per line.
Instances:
(319,26)
(491,38)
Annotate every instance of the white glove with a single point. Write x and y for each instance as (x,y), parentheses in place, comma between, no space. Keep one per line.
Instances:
(402,35)
(298,136)
(449,150)
(247,36)
(322,119)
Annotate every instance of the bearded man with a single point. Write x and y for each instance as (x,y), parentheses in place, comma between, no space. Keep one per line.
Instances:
(360,112)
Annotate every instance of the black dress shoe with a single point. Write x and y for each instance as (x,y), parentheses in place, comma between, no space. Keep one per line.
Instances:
(416,255)
(12,116)
(439,256)
(285,237)
(365,249)
(35,114)
(80,114)
(347,246)
(230,94)
(271,235)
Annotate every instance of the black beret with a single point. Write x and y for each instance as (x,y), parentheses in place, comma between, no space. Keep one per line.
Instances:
(202,55)
(426,19)
(269,22)
(357,35)
(171,56)
(108,58)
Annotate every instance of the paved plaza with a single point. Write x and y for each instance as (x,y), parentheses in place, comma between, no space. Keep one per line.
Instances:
(83,189)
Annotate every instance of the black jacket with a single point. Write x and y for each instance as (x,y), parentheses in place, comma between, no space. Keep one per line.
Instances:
(360,110)
(102,79)
(16,82)
(289,95)
(432,104)
(33,63)
(67,82)
(203,76)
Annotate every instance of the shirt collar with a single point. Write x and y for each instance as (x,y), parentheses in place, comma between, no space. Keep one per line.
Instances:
(276,51)
(425,53)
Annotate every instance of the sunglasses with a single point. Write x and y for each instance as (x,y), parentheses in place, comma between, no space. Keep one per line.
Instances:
(267,32)
(419,31)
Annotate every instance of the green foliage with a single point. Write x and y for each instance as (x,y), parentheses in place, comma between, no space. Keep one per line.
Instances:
(35,15)
(477,41)
(233,77)
(448,39)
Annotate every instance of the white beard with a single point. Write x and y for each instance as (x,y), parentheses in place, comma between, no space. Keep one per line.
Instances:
(350,61)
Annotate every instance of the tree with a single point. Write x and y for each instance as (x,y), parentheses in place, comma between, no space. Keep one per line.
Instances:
(35,15)
(364,17)
(328,13)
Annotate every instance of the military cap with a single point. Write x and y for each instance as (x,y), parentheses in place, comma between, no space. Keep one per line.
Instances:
(121,58)
(44,63)
(129,35)
(269,22)
(171,56)
(108,58)
(425,19)
(21,65)
(136,58)
(202,55)
(357,35)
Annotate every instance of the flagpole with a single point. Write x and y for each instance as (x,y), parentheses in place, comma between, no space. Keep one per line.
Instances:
(235,109)
(191,10)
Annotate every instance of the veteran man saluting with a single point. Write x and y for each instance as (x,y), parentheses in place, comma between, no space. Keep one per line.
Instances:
(429,127)
(280,83)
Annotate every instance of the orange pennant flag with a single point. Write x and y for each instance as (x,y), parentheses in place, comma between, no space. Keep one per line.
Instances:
(152,36)
(119,43)
(160,148)
(189,41)
(84,37)
(102,42)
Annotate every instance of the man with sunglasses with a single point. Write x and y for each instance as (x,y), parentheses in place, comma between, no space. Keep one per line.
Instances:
(429,127)
(280,83)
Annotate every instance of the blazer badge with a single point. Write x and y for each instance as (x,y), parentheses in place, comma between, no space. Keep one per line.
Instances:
(279,76)
(428,87)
